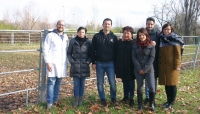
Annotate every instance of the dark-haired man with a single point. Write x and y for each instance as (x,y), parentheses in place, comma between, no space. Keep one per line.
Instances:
(103,55)
(150,24)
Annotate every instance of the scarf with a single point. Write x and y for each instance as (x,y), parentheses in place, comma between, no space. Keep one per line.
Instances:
(80,40)
(171,39)
(142,44)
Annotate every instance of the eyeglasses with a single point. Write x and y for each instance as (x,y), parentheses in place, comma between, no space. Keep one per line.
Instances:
(61,25)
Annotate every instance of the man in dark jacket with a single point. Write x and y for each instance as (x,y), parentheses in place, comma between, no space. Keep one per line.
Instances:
(103,56)
(150,23)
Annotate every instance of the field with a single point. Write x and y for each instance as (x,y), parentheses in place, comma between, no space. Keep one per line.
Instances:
(187,101)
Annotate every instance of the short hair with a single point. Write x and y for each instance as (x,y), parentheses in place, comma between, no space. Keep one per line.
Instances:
(128,28)
(166,25)
(107,19)
(59,21)
(80,28)
(150,19)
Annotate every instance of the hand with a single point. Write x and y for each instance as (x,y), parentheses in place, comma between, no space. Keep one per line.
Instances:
(153,43)
(141,72)
(178,69)
(93,66)
(49,67)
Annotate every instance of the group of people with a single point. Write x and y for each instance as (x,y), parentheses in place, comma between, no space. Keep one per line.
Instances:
(150,56)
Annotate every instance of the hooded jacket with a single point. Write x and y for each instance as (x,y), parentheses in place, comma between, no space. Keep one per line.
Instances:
(103,47)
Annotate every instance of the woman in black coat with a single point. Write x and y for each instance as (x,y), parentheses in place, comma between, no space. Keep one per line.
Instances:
(124,65)
(79,57)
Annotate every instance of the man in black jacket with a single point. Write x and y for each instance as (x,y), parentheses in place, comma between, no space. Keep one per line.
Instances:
(103,55)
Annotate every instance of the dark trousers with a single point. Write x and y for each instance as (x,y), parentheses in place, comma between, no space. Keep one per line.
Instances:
(129,88)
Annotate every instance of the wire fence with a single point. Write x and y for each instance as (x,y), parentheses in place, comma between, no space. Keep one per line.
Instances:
(22,70)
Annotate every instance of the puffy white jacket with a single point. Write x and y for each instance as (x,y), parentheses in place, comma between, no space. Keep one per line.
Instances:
(55,53)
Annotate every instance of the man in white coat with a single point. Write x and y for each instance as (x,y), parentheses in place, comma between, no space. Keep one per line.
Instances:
(54,52)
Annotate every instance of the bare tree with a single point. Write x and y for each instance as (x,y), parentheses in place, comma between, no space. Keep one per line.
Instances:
(162,13)
(190,9)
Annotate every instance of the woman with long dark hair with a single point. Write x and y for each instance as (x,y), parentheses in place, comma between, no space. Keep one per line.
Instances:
(143,55)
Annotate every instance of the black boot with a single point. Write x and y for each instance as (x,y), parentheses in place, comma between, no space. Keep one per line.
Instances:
(131,102)
(125,99)
(173,92)
(151,101)
(139,98)
(167,91)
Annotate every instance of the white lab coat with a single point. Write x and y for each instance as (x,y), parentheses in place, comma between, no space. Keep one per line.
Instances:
(55,53)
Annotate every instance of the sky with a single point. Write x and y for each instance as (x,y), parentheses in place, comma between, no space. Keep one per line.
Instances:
(128,12)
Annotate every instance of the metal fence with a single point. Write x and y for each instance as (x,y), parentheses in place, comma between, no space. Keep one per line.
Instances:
(190,58)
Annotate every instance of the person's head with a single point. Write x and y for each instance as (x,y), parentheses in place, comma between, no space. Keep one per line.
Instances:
(81,32)
(167,29)
(142,35)
(107,24)
(60,26)
(150,23)
(127,33)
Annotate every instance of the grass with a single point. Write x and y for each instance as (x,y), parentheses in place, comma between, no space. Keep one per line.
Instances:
(187,100)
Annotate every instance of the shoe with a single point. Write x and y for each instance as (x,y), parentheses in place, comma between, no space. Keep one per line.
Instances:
(165,105)
(75,101)
(131,102)
(49,106)
(103,102)
(113,100)
(80,100)
(146,101)
(125,99)
(169,106)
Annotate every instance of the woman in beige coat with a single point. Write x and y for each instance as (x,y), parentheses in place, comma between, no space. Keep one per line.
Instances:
(169,63)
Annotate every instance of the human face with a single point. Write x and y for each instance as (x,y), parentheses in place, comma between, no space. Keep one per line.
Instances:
(107,25)
(127,35)
(167,30)
(60,26)
(142,36)
(150,25)
(81,33)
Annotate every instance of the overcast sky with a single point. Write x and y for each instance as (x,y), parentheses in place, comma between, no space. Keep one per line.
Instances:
(130,12)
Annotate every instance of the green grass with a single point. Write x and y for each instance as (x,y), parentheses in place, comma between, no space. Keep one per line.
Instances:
(187,100)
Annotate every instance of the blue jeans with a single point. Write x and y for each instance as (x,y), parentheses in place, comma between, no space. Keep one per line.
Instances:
(129,87)
(53,89)
(147,89)
(101,69)
(79,85)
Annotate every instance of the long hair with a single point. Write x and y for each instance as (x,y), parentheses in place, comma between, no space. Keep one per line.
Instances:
(144,31)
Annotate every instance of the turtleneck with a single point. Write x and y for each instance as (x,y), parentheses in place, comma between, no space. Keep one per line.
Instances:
(80,40)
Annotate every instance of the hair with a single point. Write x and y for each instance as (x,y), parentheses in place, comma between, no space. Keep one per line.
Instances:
(128,28)
(144,31)
(80,28)
(150,19)
(59,21)
(107,19)
(166,25)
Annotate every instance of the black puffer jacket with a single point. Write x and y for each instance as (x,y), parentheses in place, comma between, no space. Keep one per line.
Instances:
(79,58)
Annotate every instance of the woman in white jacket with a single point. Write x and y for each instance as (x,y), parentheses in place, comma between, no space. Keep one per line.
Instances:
(54,52)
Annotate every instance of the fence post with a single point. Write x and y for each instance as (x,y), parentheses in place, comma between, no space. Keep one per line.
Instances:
(29,40)
(197,51)
(43,80)
(12,38)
